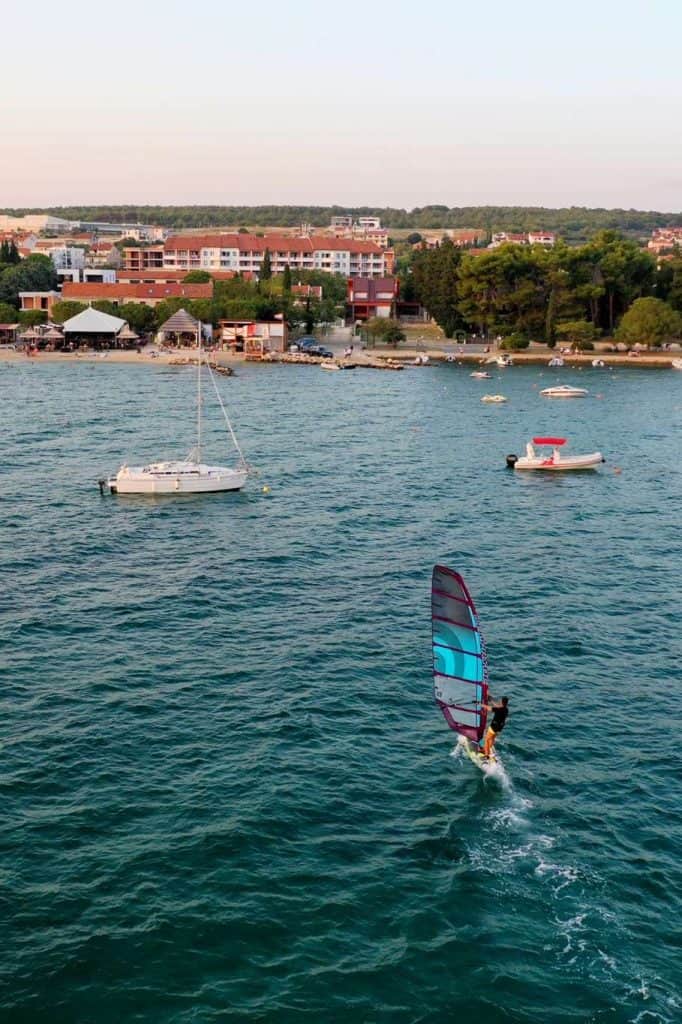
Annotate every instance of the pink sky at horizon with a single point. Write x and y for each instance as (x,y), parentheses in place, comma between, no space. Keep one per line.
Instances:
(441,105)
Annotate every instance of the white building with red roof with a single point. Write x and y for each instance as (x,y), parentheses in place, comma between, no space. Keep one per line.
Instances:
(244,253)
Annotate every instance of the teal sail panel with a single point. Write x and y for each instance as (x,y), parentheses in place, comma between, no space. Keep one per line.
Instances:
(460,668)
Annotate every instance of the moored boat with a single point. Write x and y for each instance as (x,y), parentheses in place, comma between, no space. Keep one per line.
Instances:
(328,364)
(554,462)
(188,476)
(480,374)
(677,364)
(495,399)
(564,391)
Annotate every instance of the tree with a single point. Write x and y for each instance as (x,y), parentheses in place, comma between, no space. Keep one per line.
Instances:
(9,254)
(64,310)
(286,280)
(579,333)
(34,274)
(106,306)
(197,277)
(435,277)
(141,318)
(649,321)
(266,267)
(383,329)
(32,317)
(8,313)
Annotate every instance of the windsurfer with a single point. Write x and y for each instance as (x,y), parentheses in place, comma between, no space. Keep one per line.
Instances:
(500,711)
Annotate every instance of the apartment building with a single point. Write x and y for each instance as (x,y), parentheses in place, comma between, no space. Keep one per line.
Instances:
(244,253)
(145,294)
(367,298)
(138,258)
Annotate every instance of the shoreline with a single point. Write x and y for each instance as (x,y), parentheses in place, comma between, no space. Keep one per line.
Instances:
(365,357)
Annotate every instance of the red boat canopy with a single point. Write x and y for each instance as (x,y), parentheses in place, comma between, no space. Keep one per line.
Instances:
(549,440)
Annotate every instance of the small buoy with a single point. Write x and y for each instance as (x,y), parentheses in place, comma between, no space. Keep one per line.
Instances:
(266,490)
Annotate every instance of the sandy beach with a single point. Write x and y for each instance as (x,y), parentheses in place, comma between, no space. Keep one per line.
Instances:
(362,357)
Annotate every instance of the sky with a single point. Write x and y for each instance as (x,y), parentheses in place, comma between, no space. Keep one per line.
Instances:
(376,104)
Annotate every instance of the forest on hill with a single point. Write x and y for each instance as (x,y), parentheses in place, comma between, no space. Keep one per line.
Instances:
(575,224)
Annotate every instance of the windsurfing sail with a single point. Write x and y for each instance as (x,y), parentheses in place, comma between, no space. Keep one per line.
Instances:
(460,667)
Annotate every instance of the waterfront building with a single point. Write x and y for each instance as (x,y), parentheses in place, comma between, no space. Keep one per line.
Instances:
(96,330)
(244,253)
(39,300)
(144,294)
(371,297)
(254,337)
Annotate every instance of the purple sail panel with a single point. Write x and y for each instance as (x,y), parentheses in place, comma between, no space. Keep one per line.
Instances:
(460,668)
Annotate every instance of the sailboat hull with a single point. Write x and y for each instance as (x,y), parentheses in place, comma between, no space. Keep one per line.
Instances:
(177,478)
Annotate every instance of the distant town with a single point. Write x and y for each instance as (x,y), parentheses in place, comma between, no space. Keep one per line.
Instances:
(355,270)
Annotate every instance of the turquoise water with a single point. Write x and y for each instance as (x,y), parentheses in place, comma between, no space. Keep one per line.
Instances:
(226,790)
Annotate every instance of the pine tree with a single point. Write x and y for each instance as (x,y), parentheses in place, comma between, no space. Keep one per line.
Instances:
(13,253)
(4,252)
(266,267)
(286,280)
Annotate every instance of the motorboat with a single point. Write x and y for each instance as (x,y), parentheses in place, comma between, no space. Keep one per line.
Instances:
(504,361)
(188,476)
(556,361)
(480,374)
(598,363)
(327,364)
(421,359)
(556,460)
(497,399)
(564,391)
(677,364)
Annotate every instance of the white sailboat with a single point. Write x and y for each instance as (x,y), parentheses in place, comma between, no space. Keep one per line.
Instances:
(188,476)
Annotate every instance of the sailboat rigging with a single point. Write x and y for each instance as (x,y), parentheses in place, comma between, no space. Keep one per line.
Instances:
(191,476)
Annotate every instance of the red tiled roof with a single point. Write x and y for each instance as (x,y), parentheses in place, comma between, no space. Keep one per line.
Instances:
(153,275)
(173,290)
(372,286)
(274,243)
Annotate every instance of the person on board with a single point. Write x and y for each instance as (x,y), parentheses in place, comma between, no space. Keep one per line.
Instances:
(500,711)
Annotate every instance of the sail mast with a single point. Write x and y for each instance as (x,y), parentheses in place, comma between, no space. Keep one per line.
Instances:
(199,340)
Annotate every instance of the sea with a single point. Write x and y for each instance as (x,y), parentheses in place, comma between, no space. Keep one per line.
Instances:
(226,790)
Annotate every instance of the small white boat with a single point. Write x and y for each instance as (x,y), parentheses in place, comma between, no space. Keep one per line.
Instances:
(554,462)
(598,363)
(556,361)
(677,364)
(564,391)
(421,359)
(494,398)
(188,476)
(480,374)
(329,365)
(504,361)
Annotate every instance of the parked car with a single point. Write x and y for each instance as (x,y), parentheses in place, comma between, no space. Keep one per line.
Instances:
(311,347)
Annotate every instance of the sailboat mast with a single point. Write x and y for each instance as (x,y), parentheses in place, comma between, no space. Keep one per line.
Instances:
(199,339)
